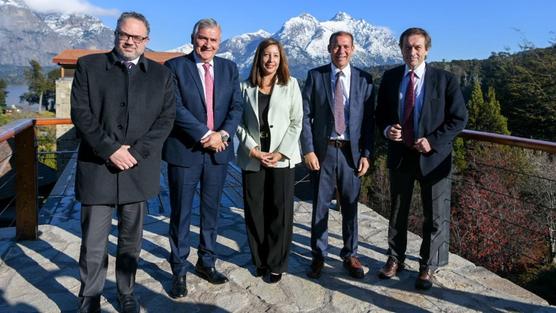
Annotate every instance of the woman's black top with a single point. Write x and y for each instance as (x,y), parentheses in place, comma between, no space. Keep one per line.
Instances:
(264,101)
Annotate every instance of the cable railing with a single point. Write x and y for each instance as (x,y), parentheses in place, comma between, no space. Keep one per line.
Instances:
(26,157)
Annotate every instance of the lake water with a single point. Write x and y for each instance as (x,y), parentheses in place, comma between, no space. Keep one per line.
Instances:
(14,91)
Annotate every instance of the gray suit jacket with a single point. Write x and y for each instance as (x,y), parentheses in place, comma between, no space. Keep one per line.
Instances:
(284,118)
(318,113)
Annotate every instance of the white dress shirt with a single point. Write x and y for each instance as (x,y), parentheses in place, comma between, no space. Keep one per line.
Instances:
(345,80)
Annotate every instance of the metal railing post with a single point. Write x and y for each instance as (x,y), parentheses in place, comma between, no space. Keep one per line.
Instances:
(27,208)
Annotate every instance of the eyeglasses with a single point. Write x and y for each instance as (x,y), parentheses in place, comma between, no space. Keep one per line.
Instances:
(123,36)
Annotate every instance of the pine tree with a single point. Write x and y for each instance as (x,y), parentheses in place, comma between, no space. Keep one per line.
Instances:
(498,122)
(485,115)
(37,83)
(3,92)
(475,105)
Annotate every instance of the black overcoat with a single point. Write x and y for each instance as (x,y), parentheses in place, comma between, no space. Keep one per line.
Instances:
(111,107)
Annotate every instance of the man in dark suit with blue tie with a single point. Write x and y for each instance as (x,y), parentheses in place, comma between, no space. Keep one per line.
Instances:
(420,111)
(208,110)
(336,141)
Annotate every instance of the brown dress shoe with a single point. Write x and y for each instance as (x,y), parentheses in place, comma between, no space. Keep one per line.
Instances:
(316,268)
(390,269)
(354,267)
(424,280)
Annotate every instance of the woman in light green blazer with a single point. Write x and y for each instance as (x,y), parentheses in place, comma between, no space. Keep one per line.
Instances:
(268,152)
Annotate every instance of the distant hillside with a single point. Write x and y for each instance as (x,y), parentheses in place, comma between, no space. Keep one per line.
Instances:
(525,85)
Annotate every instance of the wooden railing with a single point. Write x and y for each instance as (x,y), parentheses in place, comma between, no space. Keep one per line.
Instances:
(26,168)
(512,141)
(26,164)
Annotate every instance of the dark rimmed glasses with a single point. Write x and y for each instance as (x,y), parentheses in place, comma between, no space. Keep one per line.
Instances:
(123,36)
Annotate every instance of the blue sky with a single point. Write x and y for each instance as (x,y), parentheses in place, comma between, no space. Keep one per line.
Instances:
(459,29)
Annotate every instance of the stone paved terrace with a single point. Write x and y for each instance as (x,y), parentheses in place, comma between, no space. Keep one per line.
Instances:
(42,275)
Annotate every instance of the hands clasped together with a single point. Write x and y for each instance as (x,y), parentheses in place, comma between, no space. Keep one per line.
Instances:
(394,133)
(214,142)
(122,159)
(267,159)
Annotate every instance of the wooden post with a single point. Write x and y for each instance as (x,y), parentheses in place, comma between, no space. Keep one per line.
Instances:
(27,209)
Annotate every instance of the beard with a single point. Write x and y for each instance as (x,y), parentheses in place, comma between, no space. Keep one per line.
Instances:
(129,55)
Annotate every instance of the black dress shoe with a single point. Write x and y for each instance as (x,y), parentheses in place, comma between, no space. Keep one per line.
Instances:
(128,303)
(274,278)
(89,305)
(179,287)
(424,280)
(210,274)
(316,268)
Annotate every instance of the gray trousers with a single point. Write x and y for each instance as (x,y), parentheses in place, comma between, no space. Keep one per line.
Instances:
(96,224)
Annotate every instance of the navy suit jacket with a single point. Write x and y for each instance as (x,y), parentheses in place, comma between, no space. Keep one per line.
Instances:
(318,113)
(443,116)
(182,148)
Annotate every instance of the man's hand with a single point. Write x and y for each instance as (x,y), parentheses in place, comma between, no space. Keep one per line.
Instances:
(311,161)
(214,142)
(394,132)
(422,145)
(363,166)
(122,159)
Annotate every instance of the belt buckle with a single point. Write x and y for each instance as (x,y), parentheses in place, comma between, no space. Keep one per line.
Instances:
(337,143)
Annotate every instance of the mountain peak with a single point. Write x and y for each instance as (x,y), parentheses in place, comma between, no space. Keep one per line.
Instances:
(305,40)
(306,16)
(27,34)
(262,33)
(342,16)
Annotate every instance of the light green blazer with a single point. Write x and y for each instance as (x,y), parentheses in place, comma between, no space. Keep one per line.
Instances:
(285,115)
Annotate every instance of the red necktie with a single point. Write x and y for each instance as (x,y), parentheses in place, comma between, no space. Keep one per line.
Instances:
(339,118)
(409,104)
(209,91)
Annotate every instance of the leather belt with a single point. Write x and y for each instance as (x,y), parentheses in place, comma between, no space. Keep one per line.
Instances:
(338,143)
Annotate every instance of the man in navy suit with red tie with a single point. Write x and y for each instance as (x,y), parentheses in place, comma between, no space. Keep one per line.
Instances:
(208,110)
(420,111)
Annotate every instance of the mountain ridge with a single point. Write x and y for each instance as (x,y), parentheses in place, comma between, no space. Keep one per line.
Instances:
(305,40)
(28,35)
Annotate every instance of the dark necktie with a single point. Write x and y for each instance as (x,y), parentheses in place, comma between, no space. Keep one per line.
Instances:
(129,65)
(339,118)
(409,105)
(209,87)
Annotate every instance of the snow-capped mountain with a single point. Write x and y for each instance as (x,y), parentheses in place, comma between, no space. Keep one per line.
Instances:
(305,40)
(186,48)
(83,31)
(26,34)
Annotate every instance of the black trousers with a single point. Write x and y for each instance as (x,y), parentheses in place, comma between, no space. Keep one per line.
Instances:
(96,223)
(268,198)
(435,197)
